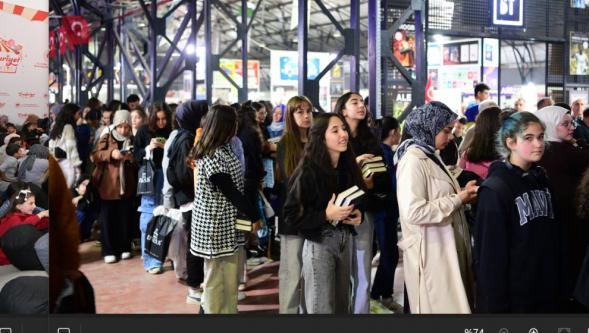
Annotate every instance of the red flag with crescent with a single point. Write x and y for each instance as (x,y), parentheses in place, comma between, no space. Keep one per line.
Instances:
(51,44)
(62,36)
(77,29)
(429,90)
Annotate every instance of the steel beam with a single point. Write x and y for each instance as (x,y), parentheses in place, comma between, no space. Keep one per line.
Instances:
(243,31)
(208,52)
(355,58)
(373,62)
(302,35)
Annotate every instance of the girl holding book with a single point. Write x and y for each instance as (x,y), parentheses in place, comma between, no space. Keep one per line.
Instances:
(328,167)
(299,117)
(436,241)
(217,202)
(365,147)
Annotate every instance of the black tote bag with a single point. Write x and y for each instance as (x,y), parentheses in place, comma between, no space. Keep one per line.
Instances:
(158,235)
(145,182)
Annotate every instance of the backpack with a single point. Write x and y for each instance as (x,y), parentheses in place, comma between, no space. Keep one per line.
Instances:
(178,173)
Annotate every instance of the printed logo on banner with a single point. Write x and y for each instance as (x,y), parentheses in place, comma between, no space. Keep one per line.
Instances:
(26,94)
(10,55)
(508,12)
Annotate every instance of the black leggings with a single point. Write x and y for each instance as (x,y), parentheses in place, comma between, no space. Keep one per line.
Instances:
(194,265)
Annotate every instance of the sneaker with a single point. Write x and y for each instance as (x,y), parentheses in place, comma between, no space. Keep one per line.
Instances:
(110,259)
(194,296)
(155,270)
(241,296)
(241,287)
(126,255)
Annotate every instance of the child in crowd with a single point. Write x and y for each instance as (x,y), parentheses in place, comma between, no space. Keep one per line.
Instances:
(85,201)
(9,167)
(22,205)
(517,238)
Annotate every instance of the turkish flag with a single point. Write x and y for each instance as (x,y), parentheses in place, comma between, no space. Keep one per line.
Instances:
(429,90)
(51,44)
(77,29)
(62,35)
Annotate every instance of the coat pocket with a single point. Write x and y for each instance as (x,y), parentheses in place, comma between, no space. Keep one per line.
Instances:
(408,242)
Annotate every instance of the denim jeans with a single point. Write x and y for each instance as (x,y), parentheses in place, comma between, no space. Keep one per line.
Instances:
(362,264)
(385,227)
(326,272)
(289,273)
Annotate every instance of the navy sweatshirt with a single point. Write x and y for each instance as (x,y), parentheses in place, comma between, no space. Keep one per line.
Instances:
(517,250)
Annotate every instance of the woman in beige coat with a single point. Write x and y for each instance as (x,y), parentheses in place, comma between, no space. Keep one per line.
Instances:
(435,243)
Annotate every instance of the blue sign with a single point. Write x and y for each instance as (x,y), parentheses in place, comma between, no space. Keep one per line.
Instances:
(508,12)
(289,68)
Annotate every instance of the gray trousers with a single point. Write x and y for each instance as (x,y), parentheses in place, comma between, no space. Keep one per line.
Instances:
(326,272)
(362,264)
(289,273)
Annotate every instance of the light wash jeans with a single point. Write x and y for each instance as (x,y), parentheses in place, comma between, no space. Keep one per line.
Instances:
(148,261)
(148,203)
(326,272)
(289,273)
(362,264)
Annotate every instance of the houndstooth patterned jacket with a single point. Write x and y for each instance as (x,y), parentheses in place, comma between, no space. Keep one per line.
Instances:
(213,232)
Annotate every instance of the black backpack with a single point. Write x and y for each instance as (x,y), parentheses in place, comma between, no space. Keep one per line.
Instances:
(179,175)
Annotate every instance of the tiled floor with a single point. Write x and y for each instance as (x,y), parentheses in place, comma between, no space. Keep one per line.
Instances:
(124,287)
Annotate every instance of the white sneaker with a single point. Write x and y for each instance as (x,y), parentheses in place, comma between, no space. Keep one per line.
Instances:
(110,259)
(194,296)
(241,296)
(155,270)
(126,255)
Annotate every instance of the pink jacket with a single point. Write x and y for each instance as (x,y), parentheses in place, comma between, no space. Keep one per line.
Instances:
(480,168)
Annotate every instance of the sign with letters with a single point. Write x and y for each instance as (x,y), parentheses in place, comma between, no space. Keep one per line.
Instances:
(508,12)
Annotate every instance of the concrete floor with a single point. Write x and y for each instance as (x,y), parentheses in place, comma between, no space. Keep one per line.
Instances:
(125,288)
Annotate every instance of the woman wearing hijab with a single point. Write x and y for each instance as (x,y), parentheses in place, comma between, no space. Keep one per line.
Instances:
(565,164)
(277,126)
(436,244)
(33,168)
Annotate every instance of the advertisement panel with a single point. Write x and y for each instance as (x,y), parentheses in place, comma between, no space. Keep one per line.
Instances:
(24,58)
(579,51)
(234,69)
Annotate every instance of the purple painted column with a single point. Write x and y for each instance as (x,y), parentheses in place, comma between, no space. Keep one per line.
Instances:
(303,45)
(372,55)
(355,60)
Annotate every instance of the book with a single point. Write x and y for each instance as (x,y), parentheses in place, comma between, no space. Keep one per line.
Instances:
(275,140)
(373,165)
(242,223)
(346,198)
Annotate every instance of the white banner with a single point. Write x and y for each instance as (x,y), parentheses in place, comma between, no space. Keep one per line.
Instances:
(24,62)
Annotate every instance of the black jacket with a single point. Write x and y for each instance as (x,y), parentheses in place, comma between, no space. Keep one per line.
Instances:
(142,140)
(179,175)
(517,250)
(310,192)
(254,168)
(383,191)
(565,165)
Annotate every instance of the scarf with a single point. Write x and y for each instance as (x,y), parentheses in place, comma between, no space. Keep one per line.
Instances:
(551,117)
(423,124)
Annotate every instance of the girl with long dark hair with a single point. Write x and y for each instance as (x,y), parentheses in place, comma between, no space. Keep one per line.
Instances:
(149,146)
(328,168)
(298,120)
(218,200)
(365,146)
(482,152)
(63,144)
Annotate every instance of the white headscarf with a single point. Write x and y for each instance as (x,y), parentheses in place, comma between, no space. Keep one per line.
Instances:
(121,117)
(551,117)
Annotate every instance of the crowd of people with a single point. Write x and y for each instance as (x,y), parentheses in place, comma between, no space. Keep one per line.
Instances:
(493,206)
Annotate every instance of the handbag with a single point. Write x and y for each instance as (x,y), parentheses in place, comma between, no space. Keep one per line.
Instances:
(158,235)
(145,176)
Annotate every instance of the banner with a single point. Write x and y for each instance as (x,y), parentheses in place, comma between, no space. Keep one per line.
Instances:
(579,51)
(24,58)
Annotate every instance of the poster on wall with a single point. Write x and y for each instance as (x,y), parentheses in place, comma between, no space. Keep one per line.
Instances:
(234,69)
(581,4)
(461,53)
(579,51)
(24,58)
(404,47)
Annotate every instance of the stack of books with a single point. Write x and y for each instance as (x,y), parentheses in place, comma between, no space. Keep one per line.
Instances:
(347,198)
(372,166)
(243,224)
